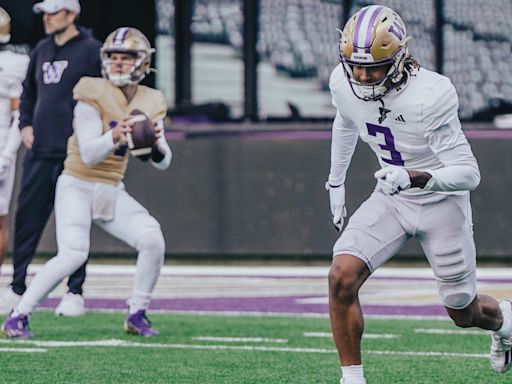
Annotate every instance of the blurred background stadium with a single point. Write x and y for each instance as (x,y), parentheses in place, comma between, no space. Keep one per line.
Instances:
(250,114)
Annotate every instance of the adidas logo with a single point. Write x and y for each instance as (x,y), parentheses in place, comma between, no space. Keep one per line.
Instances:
(400,119)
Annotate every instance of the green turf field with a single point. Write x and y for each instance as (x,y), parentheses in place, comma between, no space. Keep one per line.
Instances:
(394,352)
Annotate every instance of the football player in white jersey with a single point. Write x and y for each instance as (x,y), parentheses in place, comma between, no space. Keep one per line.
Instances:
(90,189)
(13,68)
(408,116)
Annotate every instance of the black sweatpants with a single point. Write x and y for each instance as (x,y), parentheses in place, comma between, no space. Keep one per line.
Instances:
(35,205)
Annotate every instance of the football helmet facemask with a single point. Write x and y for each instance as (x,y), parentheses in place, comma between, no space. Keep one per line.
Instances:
(5,26)
(127,40)
(374,36)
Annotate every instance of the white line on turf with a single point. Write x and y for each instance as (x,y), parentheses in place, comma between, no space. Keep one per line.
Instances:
(128,344)
(24,350)
(240,339)
(429,354)
(435,331)
(365,335)
(123,343)
(318,334)
(92,343)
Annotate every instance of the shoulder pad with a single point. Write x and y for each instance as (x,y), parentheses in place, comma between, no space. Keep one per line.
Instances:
(441,105)
(89,89)
(158,103)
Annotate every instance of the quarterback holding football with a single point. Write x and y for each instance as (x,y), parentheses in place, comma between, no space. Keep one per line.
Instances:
(90,189)
(409,117)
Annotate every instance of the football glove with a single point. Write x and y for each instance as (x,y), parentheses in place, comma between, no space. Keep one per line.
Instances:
(5,162)
(337,200)
(392,180)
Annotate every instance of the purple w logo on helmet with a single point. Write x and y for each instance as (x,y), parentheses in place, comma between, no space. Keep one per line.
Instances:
(397,30)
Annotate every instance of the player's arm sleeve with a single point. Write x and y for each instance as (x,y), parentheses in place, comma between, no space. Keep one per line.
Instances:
(94,145)
(29,94)
(344,140)
(161,155)
(447,141)
(344,133)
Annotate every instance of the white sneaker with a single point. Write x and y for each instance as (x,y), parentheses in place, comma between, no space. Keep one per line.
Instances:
(71,305)
(501,349)
(8,301)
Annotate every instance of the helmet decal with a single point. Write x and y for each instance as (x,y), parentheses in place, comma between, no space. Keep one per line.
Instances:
(397,29)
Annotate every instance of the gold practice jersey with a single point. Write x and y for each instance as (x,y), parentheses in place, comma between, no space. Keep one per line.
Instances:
(112,105)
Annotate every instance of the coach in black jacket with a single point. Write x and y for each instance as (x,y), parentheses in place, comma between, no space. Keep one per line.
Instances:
(56,64)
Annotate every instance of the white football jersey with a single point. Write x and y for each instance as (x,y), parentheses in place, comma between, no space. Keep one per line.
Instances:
(416,122)
(13,68)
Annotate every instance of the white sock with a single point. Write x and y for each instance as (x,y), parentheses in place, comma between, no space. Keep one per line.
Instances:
(135,305)
(353,374)
(506,328)
(149,263)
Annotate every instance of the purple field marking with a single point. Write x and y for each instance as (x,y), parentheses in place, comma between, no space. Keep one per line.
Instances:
(274,305)
(287,304)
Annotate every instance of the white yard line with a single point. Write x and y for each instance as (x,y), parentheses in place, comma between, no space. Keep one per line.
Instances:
(429,354)
(122,343)
(365,335)
(60,344)
(23,350)
(318,334)
(239,339)
(114,343)
(436,331)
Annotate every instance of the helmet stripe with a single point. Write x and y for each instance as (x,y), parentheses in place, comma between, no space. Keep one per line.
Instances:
(368,41)
(358,27)
(120,36)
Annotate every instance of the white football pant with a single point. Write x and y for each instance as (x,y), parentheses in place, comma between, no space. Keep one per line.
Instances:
(441,222)
(132,223)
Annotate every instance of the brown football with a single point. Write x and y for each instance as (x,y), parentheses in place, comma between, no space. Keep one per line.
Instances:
(143,137)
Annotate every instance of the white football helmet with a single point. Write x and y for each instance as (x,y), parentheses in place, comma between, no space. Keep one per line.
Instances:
(374,36)
(127,40)
(5,26)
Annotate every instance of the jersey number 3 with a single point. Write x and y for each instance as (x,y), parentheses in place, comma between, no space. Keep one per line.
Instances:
(389,140)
